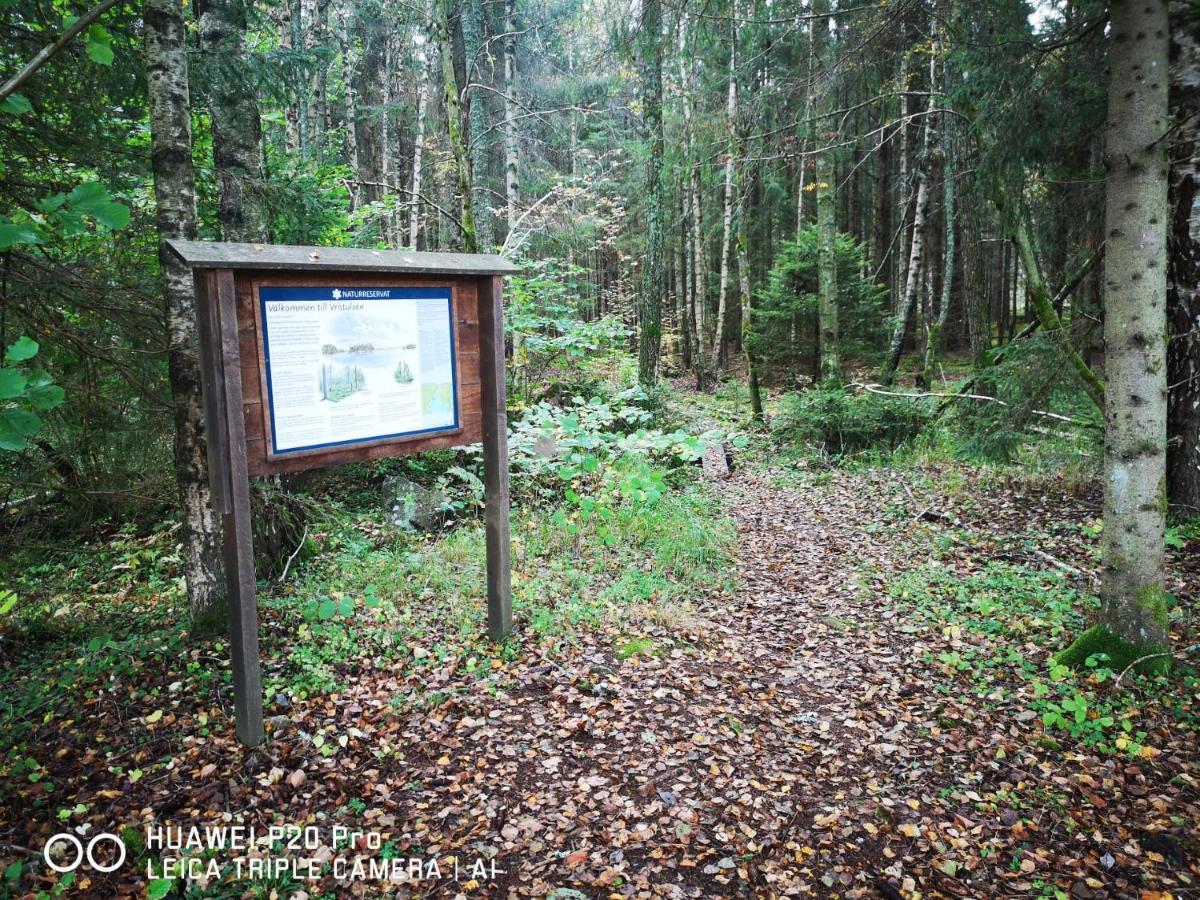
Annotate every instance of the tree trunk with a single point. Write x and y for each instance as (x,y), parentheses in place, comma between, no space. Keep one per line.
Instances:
(474,49)
(1043,304)
(349,69)
(1183,266)
(454,129)
(299,43)
(914,270)
(237,129)
(175,205)
(511,159)
(903,182)
(881,216)
(423,60)
(695,236)
(650,302)
(743,258)
(683,302)
(830,364)
(1133,611)
(731,105)
(949,195)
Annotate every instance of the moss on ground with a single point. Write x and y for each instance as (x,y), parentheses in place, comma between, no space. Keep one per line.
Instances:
(1121,653)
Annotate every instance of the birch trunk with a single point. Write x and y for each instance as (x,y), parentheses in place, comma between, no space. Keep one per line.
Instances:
(175,207)
(511,159)
(1183,267)
(904,185)
(731,102)
(695,236)
(298,43)
(384,126)
(1133,605)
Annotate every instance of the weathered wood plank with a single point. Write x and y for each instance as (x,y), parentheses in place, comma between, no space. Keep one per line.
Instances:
(495,457)
(238,547)
(215,255)
(212,388)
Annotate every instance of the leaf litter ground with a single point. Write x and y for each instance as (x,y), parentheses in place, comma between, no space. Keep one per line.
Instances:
(806,734)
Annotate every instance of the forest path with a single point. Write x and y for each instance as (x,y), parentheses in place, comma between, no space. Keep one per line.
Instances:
(776,741)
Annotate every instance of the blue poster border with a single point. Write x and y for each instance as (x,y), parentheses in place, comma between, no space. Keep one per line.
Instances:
(277,293)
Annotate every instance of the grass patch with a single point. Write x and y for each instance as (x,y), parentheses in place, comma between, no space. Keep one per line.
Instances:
(995,633)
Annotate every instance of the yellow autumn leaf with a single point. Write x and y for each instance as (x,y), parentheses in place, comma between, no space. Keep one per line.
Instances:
(154,717)
(908,829)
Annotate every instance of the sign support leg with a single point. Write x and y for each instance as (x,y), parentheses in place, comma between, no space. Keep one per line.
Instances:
(495,457)
(239,549)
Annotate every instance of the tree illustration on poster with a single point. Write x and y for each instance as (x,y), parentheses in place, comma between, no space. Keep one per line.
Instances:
(314,356)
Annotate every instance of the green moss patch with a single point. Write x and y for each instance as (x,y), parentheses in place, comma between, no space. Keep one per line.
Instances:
(1121,653)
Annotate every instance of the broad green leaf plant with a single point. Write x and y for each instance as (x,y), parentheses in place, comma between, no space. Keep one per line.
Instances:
(24,392)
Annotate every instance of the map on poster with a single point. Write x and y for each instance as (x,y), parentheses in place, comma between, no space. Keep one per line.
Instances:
(346,365)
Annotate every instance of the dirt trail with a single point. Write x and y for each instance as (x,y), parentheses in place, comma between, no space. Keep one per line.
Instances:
(708,768)
(795,742)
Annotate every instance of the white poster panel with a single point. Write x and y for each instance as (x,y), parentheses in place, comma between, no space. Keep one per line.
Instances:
(348,365)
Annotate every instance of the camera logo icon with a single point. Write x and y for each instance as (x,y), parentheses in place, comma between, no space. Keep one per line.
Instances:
(89,853)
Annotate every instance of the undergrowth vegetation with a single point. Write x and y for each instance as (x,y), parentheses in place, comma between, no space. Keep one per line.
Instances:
(610,525)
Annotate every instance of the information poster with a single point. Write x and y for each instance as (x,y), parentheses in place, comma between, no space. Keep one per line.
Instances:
(346,365)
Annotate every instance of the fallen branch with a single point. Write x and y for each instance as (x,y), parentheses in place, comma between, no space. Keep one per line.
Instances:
(288,564)
(1141,659)
(1059,564)
(1068,288)
(879,389)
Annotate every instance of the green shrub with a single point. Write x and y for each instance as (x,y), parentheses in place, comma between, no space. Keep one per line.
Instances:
(841,424)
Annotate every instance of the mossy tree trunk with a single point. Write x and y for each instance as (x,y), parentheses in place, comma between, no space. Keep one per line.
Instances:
(1133,614)
(949,198)
(1043,304)
(447,17)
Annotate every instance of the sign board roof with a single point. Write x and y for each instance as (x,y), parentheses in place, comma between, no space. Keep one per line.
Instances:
(214,255)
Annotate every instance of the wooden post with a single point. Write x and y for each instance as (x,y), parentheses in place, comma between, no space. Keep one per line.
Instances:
(217,308)
(495,457)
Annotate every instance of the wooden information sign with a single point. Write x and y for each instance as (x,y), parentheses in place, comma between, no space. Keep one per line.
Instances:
(315,356)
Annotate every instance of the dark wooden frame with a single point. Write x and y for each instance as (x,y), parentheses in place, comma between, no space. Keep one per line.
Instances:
(227,278)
